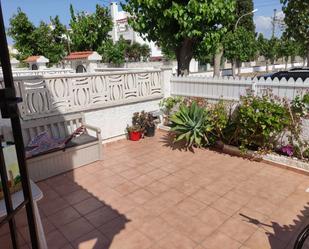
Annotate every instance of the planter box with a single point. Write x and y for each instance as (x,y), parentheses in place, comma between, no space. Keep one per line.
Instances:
(233,150)
(274,159)
(293,163)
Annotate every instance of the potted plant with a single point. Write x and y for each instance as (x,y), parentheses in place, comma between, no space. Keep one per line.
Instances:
(137,129)
(150,125)
(134,132)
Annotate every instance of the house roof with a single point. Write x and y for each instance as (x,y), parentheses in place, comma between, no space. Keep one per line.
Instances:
(32,58)
(84,55)
(123,20)
(78,55)
(36,58)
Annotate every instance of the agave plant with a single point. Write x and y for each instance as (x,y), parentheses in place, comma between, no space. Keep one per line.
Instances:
(191,124)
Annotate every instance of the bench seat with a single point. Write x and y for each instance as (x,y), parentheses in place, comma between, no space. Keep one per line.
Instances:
(81,150)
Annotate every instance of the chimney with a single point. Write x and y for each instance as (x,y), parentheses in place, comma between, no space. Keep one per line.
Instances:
(114,15)
(114,11)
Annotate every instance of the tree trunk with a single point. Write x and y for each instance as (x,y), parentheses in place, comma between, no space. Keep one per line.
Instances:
(184,54)
(239,64)
(217,62)
(267,66)
(286,59)
(307,55)
(234,68)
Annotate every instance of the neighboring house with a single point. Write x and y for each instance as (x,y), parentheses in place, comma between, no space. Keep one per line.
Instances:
(81,62)
(122,28)
(37,62)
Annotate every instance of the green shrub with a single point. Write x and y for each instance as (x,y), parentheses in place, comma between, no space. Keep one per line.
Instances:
(191,124)
(260,120)
(219,116)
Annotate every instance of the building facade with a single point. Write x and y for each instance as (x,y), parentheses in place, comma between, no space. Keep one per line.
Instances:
(121,28)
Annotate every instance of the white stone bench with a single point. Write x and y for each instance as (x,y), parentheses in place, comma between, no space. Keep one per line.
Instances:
(80,151)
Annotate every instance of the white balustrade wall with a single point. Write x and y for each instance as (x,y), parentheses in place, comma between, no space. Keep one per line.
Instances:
(23,72)
(108,99)
(48,95)
(229,88)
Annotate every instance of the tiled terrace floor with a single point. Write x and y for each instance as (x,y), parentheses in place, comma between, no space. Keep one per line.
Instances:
(145,195)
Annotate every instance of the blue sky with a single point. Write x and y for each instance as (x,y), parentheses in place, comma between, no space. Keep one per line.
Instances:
(38,10)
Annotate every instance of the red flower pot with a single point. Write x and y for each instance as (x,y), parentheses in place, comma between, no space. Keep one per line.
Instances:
(135,135)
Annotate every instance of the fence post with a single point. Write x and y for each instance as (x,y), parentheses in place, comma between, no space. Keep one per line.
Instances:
(166,80)
(253,88)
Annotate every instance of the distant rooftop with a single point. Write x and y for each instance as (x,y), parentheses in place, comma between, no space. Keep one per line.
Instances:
(84,55)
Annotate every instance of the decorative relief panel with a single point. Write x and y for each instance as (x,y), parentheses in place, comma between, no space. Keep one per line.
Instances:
(52,95)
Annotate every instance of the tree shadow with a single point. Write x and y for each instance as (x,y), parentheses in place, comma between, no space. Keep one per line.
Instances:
(283,235)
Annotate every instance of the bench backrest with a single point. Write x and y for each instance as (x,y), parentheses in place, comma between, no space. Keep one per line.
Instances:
(56,126)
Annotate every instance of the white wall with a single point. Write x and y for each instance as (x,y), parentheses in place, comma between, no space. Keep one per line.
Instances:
(113,121)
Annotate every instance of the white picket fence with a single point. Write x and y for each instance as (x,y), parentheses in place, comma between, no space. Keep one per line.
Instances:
(229,88)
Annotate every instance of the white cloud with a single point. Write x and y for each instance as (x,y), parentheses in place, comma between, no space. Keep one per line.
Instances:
(263,24)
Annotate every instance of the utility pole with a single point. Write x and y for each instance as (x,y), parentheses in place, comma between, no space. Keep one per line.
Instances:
(273,22)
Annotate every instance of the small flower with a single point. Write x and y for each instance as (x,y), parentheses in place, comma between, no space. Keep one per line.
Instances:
(288,150)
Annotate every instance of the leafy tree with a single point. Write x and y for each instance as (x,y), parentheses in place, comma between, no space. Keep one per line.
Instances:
(243,7)
(297,19)
(112,53)
(44,40)
(168,54)
(268,49)
(20,30)
(145,51)
(90,31)
(50,41)
(287,49)
(239,46)
(181,26)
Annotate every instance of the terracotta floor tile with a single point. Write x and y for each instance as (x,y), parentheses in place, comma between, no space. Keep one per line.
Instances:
(212,217)
(130,174)
(176,199)
(126,188)
(55,240)
(92,240)
(219,240)
(76,229)
(155,228)
(226,206)
(88,205)
(114,180)
(101,216)
(157,174)
(260,239)
(176,240)
(66,188)
(77,196)
(156,188)
(51,207)
(143,180)
(261,205)
(237,229)
(190,206)
(141,196)
(114,227)
(205,196)
(238,196)
(64,216)
(187,187)
(132,240)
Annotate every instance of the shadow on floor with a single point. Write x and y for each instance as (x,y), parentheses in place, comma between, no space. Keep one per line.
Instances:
(283,236)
